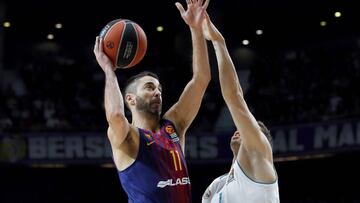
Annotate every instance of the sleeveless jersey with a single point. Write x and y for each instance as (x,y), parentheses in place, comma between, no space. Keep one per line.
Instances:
(236,187)
(159,173)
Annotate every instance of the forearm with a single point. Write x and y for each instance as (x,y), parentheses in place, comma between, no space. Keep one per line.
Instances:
(114,104)
(200,63)
(229,81)
(188,105)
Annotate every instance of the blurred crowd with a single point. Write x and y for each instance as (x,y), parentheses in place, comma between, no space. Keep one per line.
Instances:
(317,84)
(50,91)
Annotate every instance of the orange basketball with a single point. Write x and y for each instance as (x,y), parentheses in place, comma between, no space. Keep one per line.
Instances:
(125,42)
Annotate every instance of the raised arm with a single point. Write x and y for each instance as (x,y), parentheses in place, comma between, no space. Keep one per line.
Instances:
(188,105)
(252,137)
(114,103)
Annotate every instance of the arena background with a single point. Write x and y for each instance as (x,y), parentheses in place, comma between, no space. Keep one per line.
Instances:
(300,78)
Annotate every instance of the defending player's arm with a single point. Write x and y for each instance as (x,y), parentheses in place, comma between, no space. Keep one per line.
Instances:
(114,104)
(252,137)
(185,110)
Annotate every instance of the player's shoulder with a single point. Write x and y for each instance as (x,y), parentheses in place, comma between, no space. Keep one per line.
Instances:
(216,185)
(219,181)
(222,177)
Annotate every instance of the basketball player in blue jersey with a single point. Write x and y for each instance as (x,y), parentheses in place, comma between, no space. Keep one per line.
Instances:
(252,177)
(149,152)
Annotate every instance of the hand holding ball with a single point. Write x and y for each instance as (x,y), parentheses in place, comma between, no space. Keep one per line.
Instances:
(125,42)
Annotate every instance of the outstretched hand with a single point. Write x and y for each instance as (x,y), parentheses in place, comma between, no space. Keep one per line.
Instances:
(210,31)
(195,13)
(102,59)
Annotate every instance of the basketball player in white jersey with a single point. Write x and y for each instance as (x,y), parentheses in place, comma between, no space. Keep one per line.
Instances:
(252,177)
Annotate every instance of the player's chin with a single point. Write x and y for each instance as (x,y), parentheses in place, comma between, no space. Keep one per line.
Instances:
(156,109)
(156,106)
(235,142)
(233,146)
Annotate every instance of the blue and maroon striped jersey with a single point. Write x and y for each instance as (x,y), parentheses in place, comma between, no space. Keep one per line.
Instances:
(159,173)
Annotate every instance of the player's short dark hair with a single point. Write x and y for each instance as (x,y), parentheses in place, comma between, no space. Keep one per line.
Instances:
(130,88)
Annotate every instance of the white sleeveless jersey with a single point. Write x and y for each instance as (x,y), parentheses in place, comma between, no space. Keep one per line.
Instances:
(236,187)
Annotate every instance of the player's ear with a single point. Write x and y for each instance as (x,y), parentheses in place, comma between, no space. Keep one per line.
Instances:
(130,99)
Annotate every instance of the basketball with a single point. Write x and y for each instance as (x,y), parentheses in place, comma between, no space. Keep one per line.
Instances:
(124,42)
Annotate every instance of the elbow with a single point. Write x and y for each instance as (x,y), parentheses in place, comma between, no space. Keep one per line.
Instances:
(204,80)
(231,95)
(208,79)
(114,116)
(232,91)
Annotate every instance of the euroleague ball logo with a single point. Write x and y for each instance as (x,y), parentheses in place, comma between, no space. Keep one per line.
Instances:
(110,45)
(169,129)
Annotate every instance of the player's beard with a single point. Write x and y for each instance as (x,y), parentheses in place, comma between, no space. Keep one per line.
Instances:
(148,107)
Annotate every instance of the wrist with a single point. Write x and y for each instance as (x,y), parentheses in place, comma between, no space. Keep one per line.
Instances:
(219,42)
(108,70)
(196,31)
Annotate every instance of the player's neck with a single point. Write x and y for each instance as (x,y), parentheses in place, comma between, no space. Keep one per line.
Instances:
(148,122)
